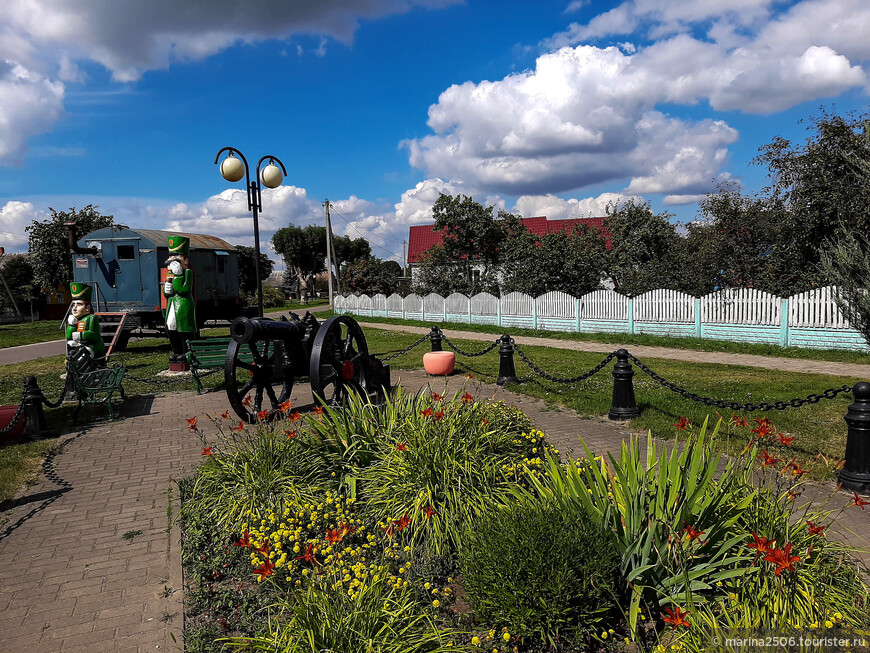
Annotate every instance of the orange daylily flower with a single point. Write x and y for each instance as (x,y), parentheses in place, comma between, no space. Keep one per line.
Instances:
(677,618)
(266,569)
(225,414)
(247,401)
(388,530)
(436,397)
(761,544)
(429,512)
(858,501)
(739,421)
(334,535)
(426,413)
(309,555)
(318,410)
(767,459)
(783,559)
(403,522)
(438,414)
(191,423)
(290,434)
(262,414)
(206,451)
(796,470)
(815,529)
(784,440)
(239,427)
(692,532)
(793,494)
(469,376)
(346,529)
(468,398)
(684,423)
(294,416)
(244,540)
(401,446)
(285,406)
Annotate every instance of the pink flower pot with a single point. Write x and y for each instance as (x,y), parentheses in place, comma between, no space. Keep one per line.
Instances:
(439,363)
(6,415)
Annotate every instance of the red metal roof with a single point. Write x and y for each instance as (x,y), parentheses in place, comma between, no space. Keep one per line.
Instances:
(423,236)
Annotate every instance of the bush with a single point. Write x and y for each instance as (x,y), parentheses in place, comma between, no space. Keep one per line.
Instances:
(542,571)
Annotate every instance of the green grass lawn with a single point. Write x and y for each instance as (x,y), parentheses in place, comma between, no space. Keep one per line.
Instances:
(26,333)
(696,344)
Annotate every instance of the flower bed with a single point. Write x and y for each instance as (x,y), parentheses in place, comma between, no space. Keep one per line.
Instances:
(436,523)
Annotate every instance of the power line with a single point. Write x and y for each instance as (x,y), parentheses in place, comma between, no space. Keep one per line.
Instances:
(368,238)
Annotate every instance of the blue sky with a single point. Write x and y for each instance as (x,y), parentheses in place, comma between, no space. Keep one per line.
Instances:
(543,108)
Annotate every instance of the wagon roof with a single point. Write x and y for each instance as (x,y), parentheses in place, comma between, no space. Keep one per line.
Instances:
(160,238)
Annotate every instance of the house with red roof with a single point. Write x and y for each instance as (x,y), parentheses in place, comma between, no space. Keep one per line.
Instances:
(422,237)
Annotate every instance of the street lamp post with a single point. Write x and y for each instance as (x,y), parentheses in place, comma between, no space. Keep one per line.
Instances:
(232,169)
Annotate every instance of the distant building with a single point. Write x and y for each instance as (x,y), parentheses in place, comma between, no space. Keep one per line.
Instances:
(422,237)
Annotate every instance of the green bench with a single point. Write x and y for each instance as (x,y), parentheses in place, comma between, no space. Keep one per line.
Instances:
(210,354)
(93,382)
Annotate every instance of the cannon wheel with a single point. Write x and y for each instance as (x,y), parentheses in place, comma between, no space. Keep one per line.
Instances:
(261,367)
(339,359)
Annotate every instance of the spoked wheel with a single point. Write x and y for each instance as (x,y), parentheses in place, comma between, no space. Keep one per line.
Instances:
(258,377)
(339,358)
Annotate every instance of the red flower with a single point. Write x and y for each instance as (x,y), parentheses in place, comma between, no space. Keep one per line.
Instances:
(285,406)
(429,512)
(225,414)
(438,414)
(426,413)
(266,569)
(262,414)
(761,544)
(484,421)
(437,397)
(692,532)
(240,427)
(206,451)
(468,375)
(467,398)
(784,440)
(247,401)
(244,540)
(762,421)
(763,430)
(815,529)
(191,423)
(782,558)
(677,618)
(403,522)
(264,549)
(796,469)
(767,459)
(294,416)
(388,530)
(290,434)
(309,555)
(334,535)
(739,421)
(793,494)
(858,501)
(684,423)
(401,446)
(346,529)
(318,410)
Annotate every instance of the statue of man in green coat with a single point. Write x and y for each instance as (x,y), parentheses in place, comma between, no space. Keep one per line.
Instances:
(178,289)
(83,327)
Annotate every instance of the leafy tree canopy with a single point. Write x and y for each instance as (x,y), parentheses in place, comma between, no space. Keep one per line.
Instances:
(371,276)
(304,253)
(248,270)
(49,244)
(17,273)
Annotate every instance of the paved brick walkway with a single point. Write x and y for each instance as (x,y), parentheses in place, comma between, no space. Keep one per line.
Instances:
(89,560)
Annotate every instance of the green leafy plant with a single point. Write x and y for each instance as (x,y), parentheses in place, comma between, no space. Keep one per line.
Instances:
(545,571)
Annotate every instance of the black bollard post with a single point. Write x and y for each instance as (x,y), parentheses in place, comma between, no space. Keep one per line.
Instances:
(506,371)
(33,416)
(435,337)
(623,406)
(855,474)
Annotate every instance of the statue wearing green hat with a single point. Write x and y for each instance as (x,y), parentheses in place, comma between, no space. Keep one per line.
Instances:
(178,290)
(83,327)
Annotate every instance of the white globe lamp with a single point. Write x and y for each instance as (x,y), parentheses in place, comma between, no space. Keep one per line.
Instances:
(232,169)
(271,176)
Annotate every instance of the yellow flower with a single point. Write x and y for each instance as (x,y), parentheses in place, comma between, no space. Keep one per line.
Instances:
(427,585)
(829,624)
(604,634)
(506,637)
(475,640)
(436,603)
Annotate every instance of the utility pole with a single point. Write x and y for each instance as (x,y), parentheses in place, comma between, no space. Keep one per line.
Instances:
(404,260)
(328,249)
(9,292)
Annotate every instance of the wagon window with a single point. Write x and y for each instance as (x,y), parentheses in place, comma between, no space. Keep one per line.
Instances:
(221,262)
(126,253)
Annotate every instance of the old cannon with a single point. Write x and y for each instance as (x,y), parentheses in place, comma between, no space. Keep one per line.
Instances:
(265,356)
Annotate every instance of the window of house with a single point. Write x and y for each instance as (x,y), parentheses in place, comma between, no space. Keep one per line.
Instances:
(126,252)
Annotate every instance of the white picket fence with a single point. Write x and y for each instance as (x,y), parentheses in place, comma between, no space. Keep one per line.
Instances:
(808,319)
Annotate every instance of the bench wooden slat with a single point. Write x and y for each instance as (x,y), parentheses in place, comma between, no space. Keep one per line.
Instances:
(90,381)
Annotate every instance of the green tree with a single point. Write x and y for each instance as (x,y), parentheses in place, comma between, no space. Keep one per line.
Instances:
(645,248)
(304,253)
(371,276)
(568,262)
(17,272)
(471,248)
(48,243)
(248,271)
(348,250)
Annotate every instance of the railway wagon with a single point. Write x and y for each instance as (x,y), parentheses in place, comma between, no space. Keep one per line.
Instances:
(127,268)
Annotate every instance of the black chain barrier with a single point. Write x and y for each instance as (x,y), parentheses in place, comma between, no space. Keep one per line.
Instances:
(399,352)
(719,403)
(66,388)
(555,379)
(486,350)
(17,416)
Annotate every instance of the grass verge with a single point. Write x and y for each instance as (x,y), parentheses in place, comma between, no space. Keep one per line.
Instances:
(27,333)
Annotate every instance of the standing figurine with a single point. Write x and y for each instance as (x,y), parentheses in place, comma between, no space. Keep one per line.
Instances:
(83,327)
(178,290)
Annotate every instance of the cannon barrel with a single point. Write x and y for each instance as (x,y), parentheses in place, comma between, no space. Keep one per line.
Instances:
(258,329)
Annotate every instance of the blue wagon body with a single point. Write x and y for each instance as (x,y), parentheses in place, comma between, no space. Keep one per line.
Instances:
(126,274)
